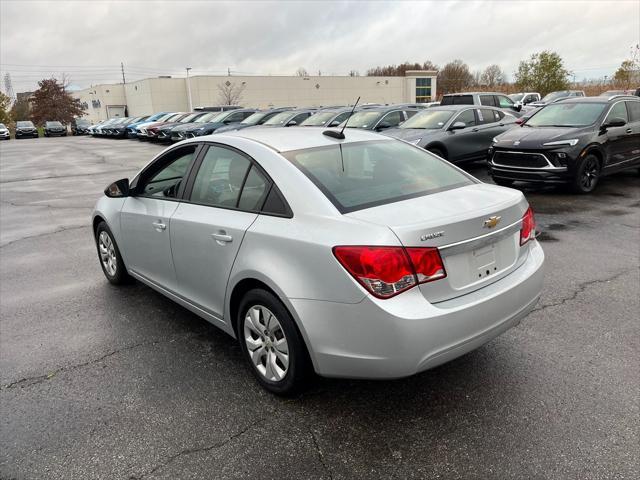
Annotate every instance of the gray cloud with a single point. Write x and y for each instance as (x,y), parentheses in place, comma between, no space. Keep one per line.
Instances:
(88,40)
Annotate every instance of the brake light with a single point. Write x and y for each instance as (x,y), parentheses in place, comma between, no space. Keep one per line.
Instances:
(528,230)
(388,271)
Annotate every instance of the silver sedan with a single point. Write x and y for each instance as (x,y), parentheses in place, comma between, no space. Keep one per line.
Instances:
(364,257)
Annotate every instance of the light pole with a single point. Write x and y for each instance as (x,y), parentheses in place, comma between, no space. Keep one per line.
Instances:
(189,90)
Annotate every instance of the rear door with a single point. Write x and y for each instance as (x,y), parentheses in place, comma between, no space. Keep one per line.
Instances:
(619,139)
(145,217)
(222,200)
(633,130)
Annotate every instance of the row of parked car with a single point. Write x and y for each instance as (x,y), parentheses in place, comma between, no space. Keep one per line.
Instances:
(53,128)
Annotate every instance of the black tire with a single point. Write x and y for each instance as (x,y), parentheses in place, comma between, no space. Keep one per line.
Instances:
(120,276)
(299,369)
(438,152)
(503,182)
(587,175)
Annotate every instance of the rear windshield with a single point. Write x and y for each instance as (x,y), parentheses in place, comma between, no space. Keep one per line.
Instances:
(375,173)
(457,100)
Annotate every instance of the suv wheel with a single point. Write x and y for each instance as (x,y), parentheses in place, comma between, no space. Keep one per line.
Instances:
(438,152)
(109,256)
(272,344)
(587,175)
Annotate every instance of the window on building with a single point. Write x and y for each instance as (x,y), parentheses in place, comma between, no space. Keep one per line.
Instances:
(423,90)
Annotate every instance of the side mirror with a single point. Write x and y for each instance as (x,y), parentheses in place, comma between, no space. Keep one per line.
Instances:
(458,126)
(383,126)
(118,189)
(614,122)
(292,123)
(517,106)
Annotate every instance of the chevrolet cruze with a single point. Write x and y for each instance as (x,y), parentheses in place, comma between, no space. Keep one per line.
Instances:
(360,257)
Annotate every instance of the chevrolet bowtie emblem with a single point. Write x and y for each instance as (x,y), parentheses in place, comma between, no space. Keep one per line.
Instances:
(491,222)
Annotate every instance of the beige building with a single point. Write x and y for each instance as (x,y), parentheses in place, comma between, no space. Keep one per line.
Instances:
(151,95)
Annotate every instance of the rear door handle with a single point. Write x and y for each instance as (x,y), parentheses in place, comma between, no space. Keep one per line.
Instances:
(159,226)
(475,130)
(222,238)
(628,130)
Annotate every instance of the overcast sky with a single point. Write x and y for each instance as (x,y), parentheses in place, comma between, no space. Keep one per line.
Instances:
(88,40)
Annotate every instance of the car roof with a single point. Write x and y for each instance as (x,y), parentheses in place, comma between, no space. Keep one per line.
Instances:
(457,107)
(598,99)
(387,108)
(473,93)
(285,139)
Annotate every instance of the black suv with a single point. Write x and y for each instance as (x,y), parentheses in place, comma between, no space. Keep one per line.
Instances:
(80,126)
(573,141)
(25,128)
(54,128)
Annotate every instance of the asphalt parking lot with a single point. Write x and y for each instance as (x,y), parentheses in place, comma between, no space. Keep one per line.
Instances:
(121,383)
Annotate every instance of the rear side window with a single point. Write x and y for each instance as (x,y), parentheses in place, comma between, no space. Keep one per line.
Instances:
(485,116)
(360,175)
(457,100)
(488,100)
(634,111)
(393,119)
(254,191)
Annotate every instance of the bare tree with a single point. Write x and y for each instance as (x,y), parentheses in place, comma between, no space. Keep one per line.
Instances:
(454,77)
(302,72)
(354,73)
(492,76)
(230,93)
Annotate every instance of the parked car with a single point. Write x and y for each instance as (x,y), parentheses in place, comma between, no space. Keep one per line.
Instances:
(327,117)
(488,99)
(178,132)
(364,258)
(457,133)
(121,129)
(229,117)
(53,128)
(381,118)
(131,128)
(80,126)
(525,98)
(556,97)
(25,128)
(4,132)
(141,130)
(257,118)
(162,132)
(574,141)
(110,129)
(152,130)
(101,128)
(288,118)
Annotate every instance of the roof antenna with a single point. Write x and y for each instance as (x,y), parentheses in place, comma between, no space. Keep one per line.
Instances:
(340,135)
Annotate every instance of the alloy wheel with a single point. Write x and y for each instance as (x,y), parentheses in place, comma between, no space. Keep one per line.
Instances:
(266,343)
(589,174)
(107,253)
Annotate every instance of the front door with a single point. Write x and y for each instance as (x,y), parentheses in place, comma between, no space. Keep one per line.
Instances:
(145,217)
(208,228)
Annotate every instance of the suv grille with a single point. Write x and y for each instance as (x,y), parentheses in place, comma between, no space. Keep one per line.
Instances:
(519,159)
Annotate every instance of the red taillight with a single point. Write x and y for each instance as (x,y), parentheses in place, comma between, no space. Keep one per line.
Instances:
(528,230)
(387,271)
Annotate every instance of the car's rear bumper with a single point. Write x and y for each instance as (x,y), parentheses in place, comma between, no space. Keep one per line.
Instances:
(406,334)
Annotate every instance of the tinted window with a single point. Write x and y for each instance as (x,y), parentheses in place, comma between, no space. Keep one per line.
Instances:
(504,102)
(374,173)
(220,178)
(410,113)
(467,117)
(300,118)
(364,119)
(619,110)
(457,100)
(341,118)
(319,119)
(237,117)
(254,191)
(279,119)
(486,116)
(166,181)
(274,203)
(429,119)
(634,111)
(487,100)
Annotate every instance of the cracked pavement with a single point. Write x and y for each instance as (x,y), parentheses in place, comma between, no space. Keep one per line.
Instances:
(121,383)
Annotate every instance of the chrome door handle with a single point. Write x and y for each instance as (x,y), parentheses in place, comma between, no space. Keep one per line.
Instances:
(222,238)
(159,226)
(475,130)
(628,130)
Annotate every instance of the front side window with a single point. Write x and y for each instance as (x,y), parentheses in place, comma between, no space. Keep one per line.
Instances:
(301,117)
(619,110)
(392,119)
(429,119)
(360,175)
(220,178)
(467,117)
(164,183)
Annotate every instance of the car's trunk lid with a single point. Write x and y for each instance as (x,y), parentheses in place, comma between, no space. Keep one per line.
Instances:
(476,228)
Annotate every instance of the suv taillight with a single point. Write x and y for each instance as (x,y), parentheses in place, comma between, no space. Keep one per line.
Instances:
(388,271)
(528,230)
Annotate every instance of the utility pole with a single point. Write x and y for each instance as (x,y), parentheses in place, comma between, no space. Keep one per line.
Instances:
(122,70)
(189,89)
(228,71)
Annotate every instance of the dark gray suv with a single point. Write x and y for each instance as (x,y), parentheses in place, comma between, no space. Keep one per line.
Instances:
(457,133)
